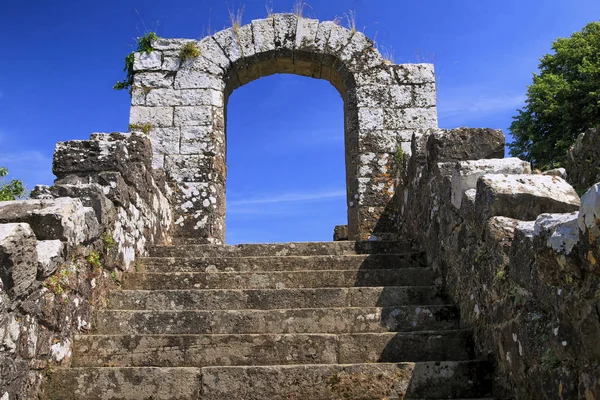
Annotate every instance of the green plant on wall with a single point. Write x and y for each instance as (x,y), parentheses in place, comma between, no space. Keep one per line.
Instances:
(144,45)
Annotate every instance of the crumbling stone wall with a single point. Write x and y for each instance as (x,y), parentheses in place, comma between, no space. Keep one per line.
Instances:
(185,101)
(583,160)
(62,250)
(518,252)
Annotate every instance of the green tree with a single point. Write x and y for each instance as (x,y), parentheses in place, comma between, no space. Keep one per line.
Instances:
(11,190)
(563,101)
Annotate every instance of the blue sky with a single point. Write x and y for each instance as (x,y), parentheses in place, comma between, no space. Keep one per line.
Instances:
(285,133)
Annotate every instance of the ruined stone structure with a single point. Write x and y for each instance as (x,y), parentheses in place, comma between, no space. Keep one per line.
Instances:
(479,278)
(384,104)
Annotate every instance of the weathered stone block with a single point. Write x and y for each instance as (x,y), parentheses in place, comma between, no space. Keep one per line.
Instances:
(285,31)
(410,118)
(264,35)
(197,140)
(371,118)
(378,142)
(156,116)
(338,39)
(340,233)
(170,44)
(523,197)
(322,36)
(166,97)
(165,140)
(18,258)
(402,96)
(191,116)
(415,73)
(228,42)
(202,97)
(560,231)
(425,95)
(468,172)
(210,50)
(306,33)
(245,41)
(194,168)
(50,254)
(102,153)
(153,79)
(356,46)
(192,79)
(373,96)
(63,219)
(583,160)
(147,61)
(464,144)
(589,215)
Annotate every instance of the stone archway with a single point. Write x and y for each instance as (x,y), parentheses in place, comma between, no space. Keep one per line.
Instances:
(384,105)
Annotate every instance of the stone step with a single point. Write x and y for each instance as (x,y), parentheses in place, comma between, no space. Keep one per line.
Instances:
(227,350)
(283,263)
(307,320)
(123,384)
(266,299)
(278,279)
(427,380)
(282,249)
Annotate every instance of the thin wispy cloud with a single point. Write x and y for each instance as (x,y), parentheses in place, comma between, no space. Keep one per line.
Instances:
(289,198)
(29,156)
(479,105)
(33,167)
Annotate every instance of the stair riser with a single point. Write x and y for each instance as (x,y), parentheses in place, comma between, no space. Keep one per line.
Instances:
(315,382)
(374,381)
(283,249)
(335,320)
(274,299)
(286,263)
(218,350)
(279,280)
(124,384)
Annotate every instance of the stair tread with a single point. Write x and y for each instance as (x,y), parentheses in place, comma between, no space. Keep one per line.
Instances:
(268,349)
(263,299)
(279,279)
(279,263)
(421,380)
(320,320)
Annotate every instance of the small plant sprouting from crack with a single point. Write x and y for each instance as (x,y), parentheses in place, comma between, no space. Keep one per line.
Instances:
(298,9)
(269,8)
(144,128)
(351,20)
(189,51)
(236,17)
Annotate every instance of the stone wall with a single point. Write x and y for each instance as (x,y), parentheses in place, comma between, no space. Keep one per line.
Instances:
(519,255)
(583,161)
(185,103)
(62,250)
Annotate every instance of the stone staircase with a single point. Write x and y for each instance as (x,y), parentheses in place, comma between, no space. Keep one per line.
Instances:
(339,320)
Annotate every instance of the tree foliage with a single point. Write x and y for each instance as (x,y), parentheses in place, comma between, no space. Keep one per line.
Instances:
(11,190)
(563,101)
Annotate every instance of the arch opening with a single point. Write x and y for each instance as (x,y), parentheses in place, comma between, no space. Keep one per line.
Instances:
(285,163)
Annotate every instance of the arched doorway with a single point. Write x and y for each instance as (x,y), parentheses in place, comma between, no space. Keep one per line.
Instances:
(384,105)
(285,161)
